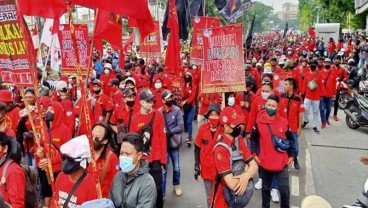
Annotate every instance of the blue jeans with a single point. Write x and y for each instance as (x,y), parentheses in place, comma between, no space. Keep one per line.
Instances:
(172,154)
(29,159)
(274,184)
(188,120)
(296,143)
(314,104)
(325,108)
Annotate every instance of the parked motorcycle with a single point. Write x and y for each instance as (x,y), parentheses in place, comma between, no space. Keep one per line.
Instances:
(357,111)
(358,203)
(344,94)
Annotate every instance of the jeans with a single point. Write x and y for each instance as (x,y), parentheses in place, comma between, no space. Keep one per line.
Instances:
(336,102)
(172,154)
(29,159)
(274,182)
(296,142)
(156,173)
(325,108)
(188,120)
(283,183)
(208,188)
(315,107)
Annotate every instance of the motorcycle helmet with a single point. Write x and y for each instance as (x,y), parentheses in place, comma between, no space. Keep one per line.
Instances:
(351,61)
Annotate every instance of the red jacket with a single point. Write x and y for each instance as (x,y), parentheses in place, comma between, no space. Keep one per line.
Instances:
(328,82)
(158,143)
(189,94)
(12,116)
(301,72)
(105,103)
(117,98)
(257,105)
(105,79)
(279,79)
(15,177)
(291,108)
(95,114)
(316,93)
(69,114)
(206,141)
(249,98)
(331,47)
(122,116)
(158,99)
(206,99)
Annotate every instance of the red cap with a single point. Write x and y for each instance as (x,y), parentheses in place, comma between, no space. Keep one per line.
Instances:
(229,115)
(6,96)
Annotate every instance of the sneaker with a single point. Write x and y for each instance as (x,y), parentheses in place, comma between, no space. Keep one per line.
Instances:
(304,124)
(296,164)
(275,196)
(189,142)
(335,118)
(328,122)
(323,125)
(316,130)
(258,185)
(177,190)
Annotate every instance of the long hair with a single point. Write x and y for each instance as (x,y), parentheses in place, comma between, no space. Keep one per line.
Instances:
(108,135)
(14,151)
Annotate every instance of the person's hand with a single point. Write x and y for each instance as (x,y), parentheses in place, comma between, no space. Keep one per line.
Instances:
(242,184)
(163,166)
(39,153)
(246,104)
(43,164)
(183,103)
(364,160)
(169,134)
(291,160)
(299,132)
(256,159)
(197,172)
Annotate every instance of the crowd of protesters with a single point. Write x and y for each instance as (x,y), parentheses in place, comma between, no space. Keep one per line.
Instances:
(139,113)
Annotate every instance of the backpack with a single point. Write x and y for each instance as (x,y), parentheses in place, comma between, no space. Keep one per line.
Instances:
(237,166)
(147,133)
(312,84)
(32,184)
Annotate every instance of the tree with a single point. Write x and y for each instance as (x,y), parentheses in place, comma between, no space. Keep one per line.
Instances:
(262,19)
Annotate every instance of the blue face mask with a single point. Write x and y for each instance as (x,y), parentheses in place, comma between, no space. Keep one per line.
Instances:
(126,164)
(271,111)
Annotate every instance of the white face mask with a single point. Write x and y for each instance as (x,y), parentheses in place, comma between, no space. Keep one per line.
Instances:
(289,52)
(107,71)
(158,85)
(231,101)
(265,95)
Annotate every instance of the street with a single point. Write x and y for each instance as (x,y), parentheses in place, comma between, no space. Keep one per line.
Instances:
(330,168)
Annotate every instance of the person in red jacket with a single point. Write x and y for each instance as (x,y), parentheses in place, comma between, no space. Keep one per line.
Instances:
(63,97)
(188,104)
(230,121)
(105,149)
(331,48)
(104,101)
(13,185)
(271,160)
(301,71)
(312,89)
(157,91)
(157,156)
(75,158)
(329,77)
(106,78)
(4,126)
(204,101)
(342,75)
(116,96)
(244,100)
(95,114)
(292,108)
(204,143)
(12,110)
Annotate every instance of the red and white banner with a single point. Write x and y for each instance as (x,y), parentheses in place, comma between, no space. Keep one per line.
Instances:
(200,23)
(223,59)
(68,57)
(15,58)
(151,46)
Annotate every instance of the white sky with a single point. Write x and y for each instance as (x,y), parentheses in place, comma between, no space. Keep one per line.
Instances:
(277,4)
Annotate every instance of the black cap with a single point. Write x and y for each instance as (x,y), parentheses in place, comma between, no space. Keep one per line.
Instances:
(29,90)
(114,82)
(212,107)
(166,94)
(313,61)
(128,66)
(146,95)
(128,92)
(337,57)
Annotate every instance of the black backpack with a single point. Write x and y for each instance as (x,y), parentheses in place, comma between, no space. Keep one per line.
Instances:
(32,184)
(147,133)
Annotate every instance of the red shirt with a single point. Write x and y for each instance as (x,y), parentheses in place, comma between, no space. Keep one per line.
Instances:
(316,93)
(111,170)
(158,100)
(328,82)
(279,79)
(189,94)
(301,72)
(249,98)
(290,108)
(206,140)
(15,185)
(331,47)
(12,118)
(105,79)
(85,192)
(222,163)
(95,114)
(105,102)
(117,98)
(8,131)
(122,116)
(206,99)
(256,107)
(69,114)
(158,143)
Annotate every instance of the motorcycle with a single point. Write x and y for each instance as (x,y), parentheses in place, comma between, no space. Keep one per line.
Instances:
(344,94)
(357,111)
(363,87)
(358,203)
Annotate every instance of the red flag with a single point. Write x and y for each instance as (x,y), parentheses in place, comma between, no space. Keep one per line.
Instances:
(172,59)
(109,28)
(311,32)
(129,43)
(35,38)
(99,47)
(43,8)
(137,9)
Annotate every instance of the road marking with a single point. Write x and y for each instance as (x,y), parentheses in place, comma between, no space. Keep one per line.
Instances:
(294,207)
(310,189)
(295,185)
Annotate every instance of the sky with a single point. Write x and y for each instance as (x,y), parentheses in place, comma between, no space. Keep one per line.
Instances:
(277,4)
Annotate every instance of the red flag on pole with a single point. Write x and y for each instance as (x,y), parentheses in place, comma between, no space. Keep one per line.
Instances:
(172,59)
(137,9)
(43,8)
(129,43)
(109,28)
(311,32)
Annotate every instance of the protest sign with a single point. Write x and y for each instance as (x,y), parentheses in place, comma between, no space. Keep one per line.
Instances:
(151,46)
(223,59)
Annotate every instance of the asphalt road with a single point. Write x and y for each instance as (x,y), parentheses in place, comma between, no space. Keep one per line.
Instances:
(330,168)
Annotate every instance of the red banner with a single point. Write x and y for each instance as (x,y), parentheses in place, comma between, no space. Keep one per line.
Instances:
(151,46)
(200,23)
(223,59)
(68,58)
(15,58)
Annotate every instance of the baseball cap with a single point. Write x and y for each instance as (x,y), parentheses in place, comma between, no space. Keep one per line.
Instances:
(229,115)
(128,92)
(212,107)
(314,201)
(97,82)
(108,65)
(281,61)
(313,61)
(130,79)
(273,58)
(166,94)
(62,86)
(288,63)
(258,64)
(128,66)
(78,149)
(114,82)
(146,95)
(327,60)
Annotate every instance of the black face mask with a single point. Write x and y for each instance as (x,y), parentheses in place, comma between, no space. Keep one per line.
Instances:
(327,66)
(187,79)
(69,166)
(49,116)
(337,64)
(236,131)
(169,103)
(130,103)
(313,67)
(97,91)
(97,145)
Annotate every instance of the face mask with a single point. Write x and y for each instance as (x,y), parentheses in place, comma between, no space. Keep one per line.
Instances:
(337,64)
(126,164)
(289,52)
(187,79)
(147,106)
(69,166)
(97,145)
(236,131)
(327,66)
(130,103)
(158,85)
(107,71)
(214,122)
(231,101)
(265,95)
(271,111)
(49,116)
(304,64)
(169,103)
(97,92)
(313,67)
